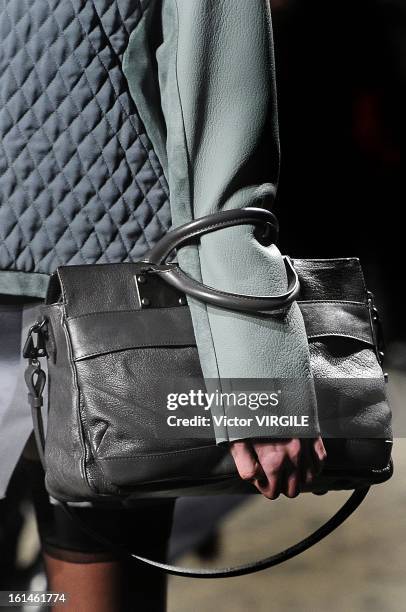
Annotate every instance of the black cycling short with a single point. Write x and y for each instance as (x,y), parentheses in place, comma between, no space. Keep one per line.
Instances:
(144,528)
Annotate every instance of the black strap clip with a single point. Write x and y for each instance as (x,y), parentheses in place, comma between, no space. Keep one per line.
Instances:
(35,376)
(377,331)
(34,350)
(35,379)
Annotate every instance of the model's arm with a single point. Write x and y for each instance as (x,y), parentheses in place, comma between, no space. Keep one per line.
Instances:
(220,150)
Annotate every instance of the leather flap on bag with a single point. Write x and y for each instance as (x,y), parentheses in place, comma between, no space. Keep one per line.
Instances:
(331,279)
(105,312)
(345,319)
(333,299)
(89,289)
(107,332)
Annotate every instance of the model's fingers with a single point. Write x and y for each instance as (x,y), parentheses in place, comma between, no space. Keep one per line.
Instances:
(309,463)
(294,452)
(295,462)
(245,461)
(293,467)
(319,453)
(292,483)
(271,457)
(315,457)
(271,485)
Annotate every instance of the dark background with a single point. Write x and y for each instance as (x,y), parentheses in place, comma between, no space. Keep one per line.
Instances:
(341,75)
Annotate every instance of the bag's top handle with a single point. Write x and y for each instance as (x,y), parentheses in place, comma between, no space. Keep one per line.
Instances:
(185,234)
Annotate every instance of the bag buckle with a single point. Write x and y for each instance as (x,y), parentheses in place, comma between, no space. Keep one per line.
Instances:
(153,292)
(377,331)
(33,350)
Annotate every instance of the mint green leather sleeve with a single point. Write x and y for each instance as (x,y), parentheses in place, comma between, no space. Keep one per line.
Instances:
(210,76)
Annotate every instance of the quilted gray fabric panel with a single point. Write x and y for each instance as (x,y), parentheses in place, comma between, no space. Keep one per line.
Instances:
(79,181)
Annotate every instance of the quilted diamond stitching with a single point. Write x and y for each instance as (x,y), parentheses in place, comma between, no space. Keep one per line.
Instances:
(82,68)
(11,165)
(42,130)
(113,194)
(115,134)
(159,177)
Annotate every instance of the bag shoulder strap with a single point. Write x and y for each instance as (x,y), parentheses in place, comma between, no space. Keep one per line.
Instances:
(352,503)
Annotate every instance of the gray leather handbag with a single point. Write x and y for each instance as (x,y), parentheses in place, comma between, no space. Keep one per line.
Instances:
(115,335)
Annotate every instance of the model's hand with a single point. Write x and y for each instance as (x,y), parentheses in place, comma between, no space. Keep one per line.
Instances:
(279,466)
